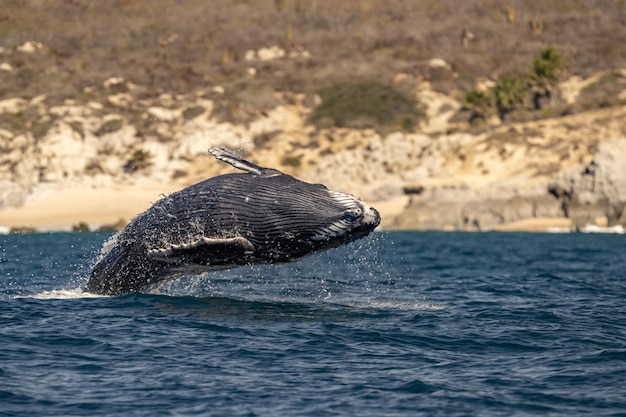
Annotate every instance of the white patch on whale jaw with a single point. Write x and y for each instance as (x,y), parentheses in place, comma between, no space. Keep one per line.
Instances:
(334,230)
(357,208)
(356,213)
(347,200)
(164,254)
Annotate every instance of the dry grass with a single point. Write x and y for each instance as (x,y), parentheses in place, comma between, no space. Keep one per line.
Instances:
(181,46)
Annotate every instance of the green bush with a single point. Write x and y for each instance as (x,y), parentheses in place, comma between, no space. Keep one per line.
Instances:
(365,105)
(477,98)
(478,103)
(140,159)
(511,90)
(546,66)
(292,161)
(509,93)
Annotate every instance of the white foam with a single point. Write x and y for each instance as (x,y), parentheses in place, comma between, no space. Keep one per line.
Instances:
(403,305)
(63,294)
(109,244)
(395,305)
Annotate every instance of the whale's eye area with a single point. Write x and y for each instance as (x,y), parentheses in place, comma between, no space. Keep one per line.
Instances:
(353,214)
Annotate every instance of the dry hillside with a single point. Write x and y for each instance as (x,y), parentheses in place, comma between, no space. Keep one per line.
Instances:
(176,46)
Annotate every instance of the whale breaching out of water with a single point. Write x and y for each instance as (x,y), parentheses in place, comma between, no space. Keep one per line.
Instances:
(260,216)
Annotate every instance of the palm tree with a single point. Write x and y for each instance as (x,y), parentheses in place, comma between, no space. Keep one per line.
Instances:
(509,93)
(544,76)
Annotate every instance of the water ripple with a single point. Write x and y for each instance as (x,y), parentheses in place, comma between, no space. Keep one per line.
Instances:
(425,324)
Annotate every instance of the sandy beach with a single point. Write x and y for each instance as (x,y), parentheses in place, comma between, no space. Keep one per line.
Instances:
(96,207)
(64,209)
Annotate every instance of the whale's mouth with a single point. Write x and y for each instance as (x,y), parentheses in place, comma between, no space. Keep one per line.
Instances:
(370,215)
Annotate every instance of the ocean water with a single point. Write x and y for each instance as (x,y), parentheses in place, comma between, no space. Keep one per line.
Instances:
(399,324)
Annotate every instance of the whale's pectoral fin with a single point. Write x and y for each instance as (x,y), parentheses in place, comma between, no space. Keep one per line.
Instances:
(230,158)
(206,251)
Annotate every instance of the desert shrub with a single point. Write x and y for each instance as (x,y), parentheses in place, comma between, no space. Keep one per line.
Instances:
(15,122)
(192,112)
(365,105)
(93,167)
(78,128)
(509,93)
(40,127)
(478,103)
(140,159)
(477,98)
(27,122)
(109,127)
(292,161)
(262,139)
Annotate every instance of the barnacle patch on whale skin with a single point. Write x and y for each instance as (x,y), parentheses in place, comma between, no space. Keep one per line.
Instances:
(234,246)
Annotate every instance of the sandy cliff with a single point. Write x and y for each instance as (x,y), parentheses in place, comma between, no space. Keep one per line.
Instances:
(101,162)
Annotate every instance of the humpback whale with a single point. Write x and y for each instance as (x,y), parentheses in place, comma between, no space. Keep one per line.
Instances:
(258,216)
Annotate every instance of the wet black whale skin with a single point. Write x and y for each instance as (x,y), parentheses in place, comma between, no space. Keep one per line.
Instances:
(261,216)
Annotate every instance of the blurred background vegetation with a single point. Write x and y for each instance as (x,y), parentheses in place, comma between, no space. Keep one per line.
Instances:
(354,47)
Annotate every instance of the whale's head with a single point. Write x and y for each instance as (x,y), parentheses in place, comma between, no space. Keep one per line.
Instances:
(290,218)
(353,220)
(286,218)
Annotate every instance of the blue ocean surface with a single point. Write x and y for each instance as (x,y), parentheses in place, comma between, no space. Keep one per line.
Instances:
(397,324)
